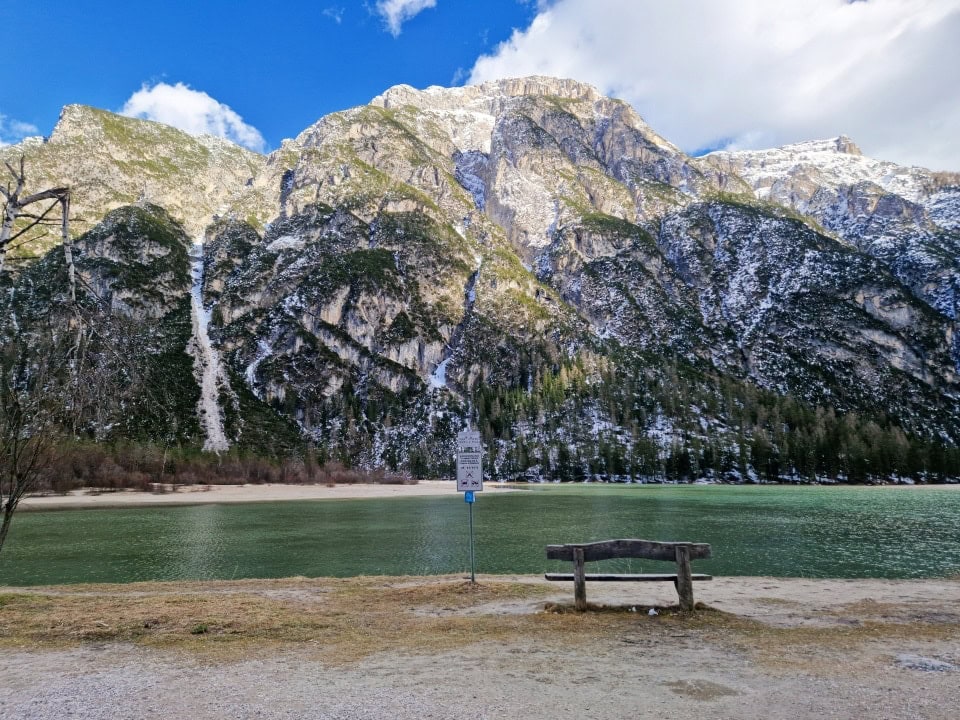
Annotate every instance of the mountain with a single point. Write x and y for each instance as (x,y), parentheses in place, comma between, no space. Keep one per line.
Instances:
(111,161)
(909,218)
(531,255)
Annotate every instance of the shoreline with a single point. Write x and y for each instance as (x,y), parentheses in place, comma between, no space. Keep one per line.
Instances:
(275,492)
(780,600)
(267,492)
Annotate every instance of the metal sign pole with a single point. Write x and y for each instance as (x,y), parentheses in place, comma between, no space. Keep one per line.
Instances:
(473,573)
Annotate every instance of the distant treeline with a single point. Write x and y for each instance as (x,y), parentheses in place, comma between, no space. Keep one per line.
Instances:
(590,420)
(638,419)
(151,468)
(587,418)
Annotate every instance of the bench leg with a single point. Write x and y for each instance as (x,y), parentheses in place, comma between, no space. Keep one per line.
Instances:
(684,577)
(579,581)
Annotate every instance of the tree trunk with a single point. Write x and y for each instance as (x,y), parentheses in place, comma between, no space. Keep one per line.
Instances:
(6,230)
(11,210)
(8,509)
(68,246)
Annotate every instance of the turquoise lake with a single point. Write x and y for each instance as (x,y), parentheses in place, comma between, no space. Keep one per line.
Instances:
(842,532)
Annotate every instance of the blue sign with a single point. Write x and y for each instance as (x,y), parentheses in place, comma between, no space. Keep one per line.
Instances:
(468,496)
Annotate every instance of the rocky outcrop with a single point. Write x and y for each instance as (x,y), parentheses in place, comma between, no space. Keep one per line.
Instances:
(904,216)
(111,161)
(136,261)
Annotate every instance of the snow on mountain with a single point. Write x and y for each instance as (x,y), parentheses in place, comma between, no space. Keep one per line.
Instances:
(532,256)
(833,163)
(905,217)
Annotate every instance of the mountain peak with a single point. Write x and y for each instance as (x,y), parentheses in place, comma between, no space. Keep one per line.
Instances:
(74,119)
(534,85)
(848,146)
(543,85)
(842,145)
(83,121)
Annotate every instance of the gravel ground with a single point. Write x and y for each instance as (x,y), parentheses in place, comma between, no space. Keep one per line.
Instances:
(686,674)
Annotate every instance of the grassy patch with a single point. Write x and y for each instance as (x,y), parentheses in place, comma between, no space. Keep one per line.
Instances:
(345,620)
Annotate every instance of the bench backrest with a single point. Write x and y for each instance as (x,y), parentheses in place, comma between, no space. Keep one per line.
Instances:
(644,549)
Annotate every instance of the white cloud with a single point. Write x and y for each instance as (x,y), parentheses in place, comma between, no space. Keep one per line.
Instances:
(753,73)
(13,131)
(192,111)
(396,12)
(335,13)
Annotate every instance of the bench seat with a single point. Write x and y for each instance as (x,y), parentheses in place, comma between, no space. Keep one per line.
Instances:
(679,552)
(614,577)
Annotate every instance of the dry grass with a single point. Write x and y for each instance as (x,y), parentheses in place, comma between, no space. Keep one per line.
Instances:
(345,620)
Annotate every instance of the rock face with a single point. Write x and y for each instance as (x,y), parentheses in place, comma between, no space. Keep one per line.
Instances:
(905,217)
(136,261)
(110,161)
(531,255)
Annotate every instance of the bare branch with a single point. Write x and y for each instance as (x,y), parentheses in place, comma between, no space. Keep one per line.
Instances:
(13,172)
(14,210)
(53,193)
(30,239)
(37,220)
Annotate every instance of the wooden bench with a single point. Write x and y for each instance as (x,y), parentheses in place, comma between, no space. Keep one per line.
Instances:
(680,552)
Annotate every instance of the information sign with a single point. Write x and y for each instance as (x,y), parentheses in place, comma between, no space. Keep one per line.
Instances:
(468,441)
(469,471)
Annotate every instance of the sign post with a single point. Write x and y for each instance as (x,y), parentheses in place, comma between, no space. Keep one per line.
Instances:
(470,499)
(470,479)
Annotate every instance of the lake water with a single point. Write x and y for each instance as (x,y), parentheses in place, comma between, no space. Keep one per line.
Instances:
(782,531)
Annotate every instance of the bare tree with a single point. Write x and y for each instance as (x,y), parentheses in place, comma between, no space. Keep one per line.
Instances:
(55,389)
(36,373)
(31,399)
(17,206)
(66,372)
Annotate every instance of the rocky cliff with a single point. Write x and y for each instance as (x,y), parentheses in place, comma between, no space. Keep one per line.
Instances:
(110,161)
(905,217)
(531,255)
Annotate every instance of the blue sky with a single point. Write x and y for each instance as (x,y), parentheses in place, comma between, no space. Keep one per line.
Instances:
(703,73)
(280,66)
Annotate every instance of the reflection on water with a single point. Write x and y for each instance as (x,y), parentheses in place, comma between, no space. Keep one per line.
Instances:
(783,531)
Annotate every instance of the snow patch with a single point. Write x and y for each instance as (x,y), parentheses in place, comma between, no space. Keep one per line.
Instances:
(831,167)
(469,169)
(206,361)
(552,229)
(264,349)
(286,242)
(438,378)
(944,208)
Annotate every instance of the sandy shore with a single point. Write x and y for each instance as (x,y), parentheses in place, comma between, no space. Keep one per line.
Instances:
(781,648)
(198,494)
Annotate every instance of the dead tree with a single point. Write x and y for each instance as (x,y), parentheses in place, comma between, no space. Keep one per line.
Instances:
(17,207)
(34,380)
(32,393)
